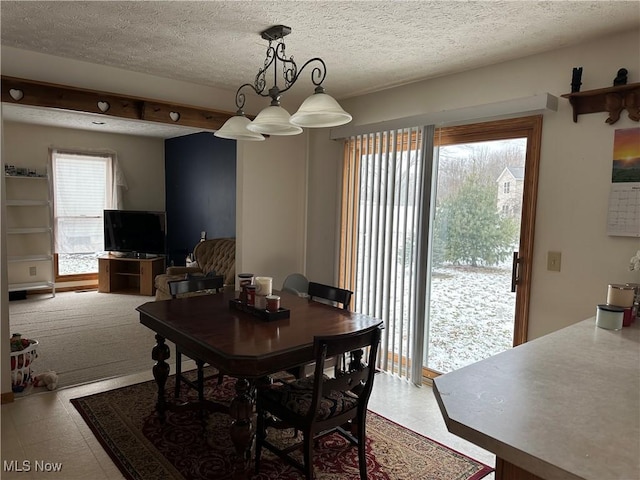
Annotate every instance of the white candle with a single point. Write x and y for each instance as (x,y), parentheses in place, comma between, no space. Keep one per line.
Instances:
(620,295)
(263,285)
(261,302)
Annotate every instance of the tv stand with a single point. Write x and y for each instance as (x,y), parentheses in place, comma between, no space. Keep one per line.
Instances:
(133,255)
(129,275)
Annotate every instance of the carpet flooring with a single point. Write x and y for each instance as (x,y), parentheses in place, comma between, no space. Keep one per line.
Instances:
(125,423)
(85,336)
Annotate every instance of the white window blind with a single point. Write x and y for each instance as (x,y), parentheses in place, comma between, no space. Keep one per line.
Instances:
(82,191)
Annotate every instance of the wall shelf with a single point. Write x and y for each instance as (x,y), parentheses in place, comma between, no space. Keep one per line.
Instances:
(30,243)
(28,230)
(27,203)
(613,100)
(29,258)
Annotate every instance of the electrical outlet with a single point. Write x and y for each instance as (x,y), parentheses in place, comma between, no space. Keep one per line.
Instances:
(32,271)
(554,260)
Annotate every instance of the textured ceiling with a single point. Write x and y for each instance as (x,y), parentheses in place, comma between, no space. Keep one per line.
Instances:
(367,45)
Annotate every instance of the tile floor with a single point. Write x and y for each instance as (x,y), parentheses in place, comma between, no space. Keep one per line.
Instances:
(45,427)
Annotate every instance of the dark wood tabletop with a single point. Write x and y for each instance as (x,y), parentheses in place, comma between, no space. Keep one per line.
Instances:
(241,344)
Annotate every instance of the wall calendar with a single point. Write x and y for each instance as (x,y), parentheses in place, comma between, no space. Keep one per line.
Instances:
(623,217)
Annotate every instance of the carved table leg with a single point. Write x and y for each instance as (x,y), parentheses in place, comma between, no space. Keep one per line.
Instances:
(241,410)
(160,353)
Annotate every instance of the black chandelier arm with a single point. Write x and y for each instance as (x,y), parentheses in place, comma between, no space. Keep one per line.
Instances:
(240,97)
(290,73)
(318,74)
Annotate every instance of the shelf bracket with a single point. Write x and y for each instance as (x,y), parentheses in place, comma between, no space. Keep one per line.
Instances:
(613,100)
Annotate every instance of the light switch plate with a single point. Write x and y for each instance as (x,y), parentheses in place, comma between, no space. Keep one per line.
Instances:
(554,260)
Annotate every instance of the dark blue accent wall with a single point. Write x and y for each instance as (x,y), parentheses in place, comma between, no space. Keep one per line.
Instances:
(200,186)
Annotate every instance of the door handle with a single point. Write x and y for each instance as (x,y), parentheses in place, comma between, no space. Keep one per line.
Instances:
(515,278)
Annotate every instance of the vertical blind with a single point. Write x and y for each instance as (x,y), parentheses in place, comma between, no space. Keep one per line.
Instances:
(383,197)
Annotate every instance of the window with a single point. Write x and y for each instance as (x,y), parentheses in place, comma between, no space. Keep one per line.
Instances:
(506,187)
(83,189)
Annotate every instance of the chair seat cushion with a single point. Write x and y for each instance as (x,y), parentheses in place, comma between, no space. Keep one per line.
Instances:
(297,395)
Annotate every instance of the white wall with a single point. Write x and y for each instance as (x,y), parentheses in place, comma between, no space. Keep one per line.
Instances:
(271,208)
(575,169)
(141,158)
(5,348)
(323,199)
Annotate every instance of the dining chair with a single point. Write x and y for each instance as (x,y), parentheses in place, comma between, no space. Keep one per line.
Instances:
(334,296)
(295,283)
(320,404)
(331,294)
(194,285)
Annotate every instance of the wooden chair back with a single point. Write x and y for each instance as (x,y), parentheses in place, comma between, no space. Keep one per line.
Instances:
(332,294)
(214,284)
(358,379)
(196,284)
(310,410)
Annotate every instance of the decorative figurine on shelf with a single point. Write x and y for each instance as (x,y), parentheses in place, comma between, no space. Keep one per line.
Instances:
(621,77)
(576,79)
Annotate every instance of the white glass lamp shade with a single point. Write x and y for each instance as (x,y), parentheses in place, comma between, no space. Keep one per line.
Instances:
(236,129)
(320,110)
(274,120)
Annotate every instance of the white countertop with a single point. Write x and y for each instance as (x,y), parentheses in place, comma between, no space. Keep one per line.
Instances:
(563,406)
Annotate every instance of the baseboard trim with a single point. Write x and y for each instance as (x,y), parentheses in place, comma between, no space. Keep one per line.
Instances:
(6,397)
(89,286)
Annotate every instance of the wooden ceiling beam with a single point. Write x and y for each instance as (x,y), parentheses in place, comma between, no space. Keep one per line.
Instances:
(20,91)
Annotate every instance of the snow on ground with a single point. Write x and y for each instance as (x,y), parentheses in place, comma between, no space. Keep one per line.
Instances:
(472,315)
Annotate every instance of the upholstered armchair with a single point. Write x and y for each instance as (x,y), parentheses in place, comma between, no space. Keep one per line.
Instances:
(216,255)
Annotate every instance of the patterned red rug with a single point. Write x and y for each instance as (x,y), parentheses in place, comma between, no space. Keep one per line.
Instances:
(125,423)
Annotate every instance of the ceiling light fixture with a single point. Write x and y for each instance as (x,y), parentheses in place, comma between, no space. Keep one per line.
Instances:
(318,110)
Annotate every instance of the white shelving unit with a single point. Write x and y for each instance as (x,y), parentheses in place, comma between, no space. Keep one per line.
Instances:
(30,242)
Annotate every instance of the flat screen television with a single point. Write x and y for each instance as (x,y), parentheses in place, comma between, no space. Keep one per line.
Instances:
(133,232)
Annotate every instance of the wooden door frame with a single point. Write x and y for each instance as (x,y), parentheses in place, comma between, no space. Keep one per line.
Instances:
(531,129)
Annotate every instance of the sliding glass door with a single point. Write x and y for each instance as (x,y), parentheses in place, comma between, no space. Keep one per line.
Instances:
(437,238)
(476,229)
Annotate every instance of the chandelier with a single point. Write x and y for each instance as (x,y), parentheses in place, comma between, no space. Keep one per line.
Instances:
(318,110)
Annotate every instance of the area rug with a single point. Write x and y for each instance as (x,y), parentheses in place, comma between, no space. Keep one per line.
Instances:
(185,447)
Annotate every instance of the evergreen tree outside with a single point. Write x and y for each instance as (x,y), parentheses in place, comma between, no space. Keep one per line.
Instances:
(469,230)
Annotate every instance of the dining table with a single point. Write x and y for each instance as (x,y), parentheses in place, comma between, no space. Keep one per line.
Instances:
(242,342)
